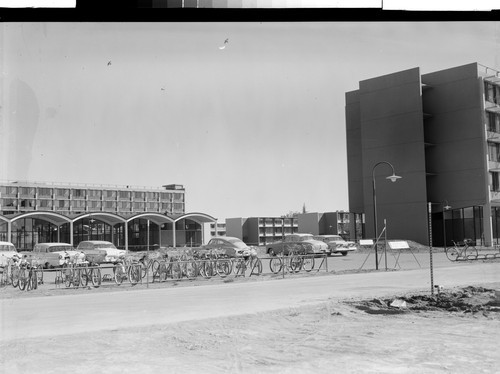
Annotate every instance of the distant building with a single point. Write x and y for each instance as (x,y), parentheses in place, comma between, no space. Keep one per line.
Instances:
(441,132)
(130,217)
(348,225)
(210,230)
(261,230)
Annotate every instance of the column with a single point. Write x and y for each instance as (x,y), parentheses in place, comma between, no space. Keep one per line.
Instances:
(71,241)
(126,236)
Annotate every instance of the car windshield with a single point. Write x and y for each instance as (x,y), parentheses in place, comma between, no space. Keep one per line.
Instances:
(237,243)
(306,237)
(7,248)
(104,245)
(60,248)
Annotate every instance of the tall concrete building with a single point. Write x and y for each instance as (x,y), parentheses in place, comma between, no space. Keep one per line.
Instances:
(441,133)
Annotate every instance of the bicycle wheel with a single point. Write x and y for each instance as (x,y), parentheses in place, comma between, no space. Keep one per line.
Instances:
(209,269)
(163,270)
(95,276)
(39,275)
(191,269)
(23,279)
(452,253)
(295,263)
(68,276)
(119,272)
(14,277)
(84,276)
(223,267)
(155,269)
(275,265)
(34,278)
(239,266)
(255,266)
(308,263)
(471,253)
(134,274)
(77,274)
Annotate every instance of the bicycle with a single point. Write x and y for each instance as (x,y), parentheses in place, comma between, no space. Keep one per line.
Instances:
(292,263)
(71,274)
(462,251)
(215,263)
(242,264)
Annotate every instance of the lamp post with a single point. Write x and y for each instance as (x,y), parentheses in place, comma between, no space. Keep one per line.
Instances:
(445,207)
(392,178)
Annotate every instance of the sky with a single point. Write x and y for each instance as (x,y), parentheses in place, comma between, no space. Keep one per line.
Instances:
(254,129)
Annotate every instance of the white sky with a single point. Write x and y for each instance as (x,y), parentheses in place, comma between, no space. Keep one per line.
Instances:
(255,129)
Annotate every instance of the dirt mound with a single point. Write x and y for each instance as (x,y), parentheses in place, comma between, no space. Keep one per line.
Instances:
(468,300)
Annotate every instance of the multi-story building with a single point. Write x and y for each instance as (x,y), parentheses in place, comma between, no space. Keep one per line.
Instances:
(261,230)
(348,225)
(211,231)
(441,132)
(131,217)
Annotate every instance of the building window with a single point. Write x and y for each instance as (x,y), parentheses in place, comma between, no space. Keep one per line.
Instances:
(79,194)
(62,192)
(494,152)
(494,182)
(45,203)
(493,121)
(491,92)
(110,194)
(44,192)
(124,195)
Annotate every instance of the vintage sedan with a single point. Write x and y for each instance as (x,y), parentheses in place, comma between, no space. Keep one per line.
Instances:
(50,255)
(337,244)
(298,243)
(7,251)
(229,246)
(98,251)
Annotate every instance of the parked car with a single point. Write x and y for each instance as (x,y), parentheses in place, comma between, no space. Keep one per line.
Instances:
(301,243)
(50,255)
(98,251)
(7,251)
(337,244)
(228,245)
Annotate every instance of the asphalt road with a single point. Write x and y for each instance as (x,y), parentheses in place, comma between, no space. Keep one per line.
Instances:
(69,314)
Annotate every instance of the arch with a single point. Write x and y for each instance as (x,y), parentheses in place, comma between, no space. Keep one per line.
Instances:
(157,218)
(199,217)
(52,217)
(109,218)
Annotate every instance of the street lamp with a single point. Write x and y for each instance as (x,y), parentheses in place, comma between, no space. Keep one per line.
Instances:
(446,206)
(392,178)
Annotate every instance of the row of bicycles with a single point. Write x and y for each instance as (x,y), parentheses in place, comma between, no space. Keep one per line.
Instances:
(21,274)
(78,272)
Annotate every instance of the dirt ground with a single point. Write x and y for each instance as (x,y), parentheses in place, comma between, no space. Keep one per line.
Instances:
(453,332)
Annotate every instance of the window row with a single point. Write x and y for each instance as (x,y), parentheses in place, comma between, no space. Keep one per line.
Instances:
(91,194)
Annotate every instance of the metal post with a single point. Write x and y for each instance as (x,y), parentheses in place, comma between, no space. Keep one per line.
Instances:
(385,243)
(430,247)
(375,220)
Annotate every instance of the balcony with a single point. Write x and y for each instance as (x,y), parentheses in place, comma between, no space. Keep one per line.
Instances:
(493,137)
(495,196)
(493,165)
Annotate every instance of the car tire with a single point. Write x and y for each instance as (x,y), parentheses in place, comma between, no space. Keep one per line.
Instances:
(344,253)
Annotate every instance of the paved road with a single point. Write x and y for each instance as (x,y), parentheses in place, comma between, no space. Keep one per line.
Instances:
(56,315)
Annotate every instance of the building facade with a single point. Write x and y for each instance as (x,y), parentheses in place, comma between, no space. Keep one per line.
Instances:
(261,230)
(348,225)
(130,217)
(441,133)
(211,231)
